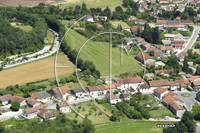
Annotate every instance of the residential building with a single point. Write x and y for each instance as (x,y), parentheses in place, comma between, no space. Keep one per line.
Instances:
(63,107)
(144,88)
(176,109)
(160,22)
(159,83)
(32,112)
(79,92)
(135,28)
(5,99)
(169,99)
(166,42)
(196,84)
(88,18)
(32,103)
(46,114)
(21,100)
(144,58)
(195,78)
(99,25)
(113,99)
(160,55)
(160,92)
(187,22)
(164,72)
(152,25)
(172,94)
(140,21)
(132,18)
(42,96)
(60,92)
(125,96)
(167,49)
(182,55)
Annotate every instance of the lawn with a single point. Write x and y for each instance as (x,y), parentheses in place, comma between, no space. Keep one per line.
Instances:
(35,71)
(123,24)
(24,27)
(185,94)
(94,4)
(164,112)
(50,37)
(98,52)
(184,33)
(131,127)
(94,117)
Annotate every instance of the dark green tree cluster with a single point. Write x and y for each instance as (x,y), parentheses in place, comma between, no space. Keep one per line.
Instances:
(173,62)
(186,67)
(193,57)
(187,124)
(15,106)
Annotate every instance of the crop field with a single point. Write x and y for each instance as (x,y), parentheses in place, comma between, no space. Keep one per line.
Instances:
(34,71)
(123,24)
(29,2)
(98,52)
(25,27)
(131,127)
(94,4)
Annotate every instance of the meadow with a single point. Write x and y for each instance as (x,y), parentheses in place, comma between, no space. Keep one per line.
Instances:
(24,27)
(98,52)
(50,37)
(123,24)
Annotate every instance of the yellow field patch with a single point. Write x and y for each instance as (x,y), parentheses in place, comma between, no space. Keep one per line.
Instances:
(25,27)
(35,71)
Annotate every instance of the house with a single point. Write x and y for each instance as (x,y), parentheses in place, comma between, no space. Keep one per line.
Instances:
(94,90)
(195,78)
(174,4)
(159,63)
(145,45)
(144,5)
(166,42)
(169,99)
(187,22)
(104,18)
(178,18)
(159,83)
(160,92)
(46,114)
(60,92)
(88,18)
(144,88)
(167,49)
(135,28)
(164,72)
(132,18)
(144,58)
(182,55)
(32,103)
(160,55)
(78,92)
(172,94)
(160,22)
(152,25)
(99,25)
(63,107)
(181,9)
(163,1)
(70,97)
(193,3)
(128,41)
(125,83)
(21,100)
(112,99)
(125,96)
(140,21)
(196,84)
(42,96)
(176,109)
(5,99)
(32,112)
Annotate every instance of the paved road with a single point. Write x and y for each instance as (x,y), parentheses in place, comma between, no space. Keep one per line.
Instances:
(189,101)
(198,127)
(10,114)
(45,49)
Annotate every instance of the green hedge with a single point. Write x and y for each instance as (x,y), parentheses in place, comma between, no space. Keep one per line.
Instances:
(100,101)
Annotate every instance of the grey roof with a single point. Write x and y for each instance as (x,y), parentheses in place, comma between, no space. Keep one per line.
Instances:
(128,39)
(166,42)
(78,90)
(173,22)
(42,94)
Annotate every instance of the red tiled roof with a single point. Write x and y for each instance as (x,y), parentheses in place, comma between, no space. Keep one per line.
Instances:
(63,89)
(143,56)
(178,44)
(62,104)
(129,80)
(160,90)
(34,109)
(169,94)
(193,78)
(44,113)
(99,25)
(132,17)
(155,83)
(175,106)
(161,22)
(108,86)
(18,99)
(196,83)
(166,48)
(6,97)
(187,21)
(166,71)
(168,99)
(113,96)
(178,18)
(135,28)
(140,20)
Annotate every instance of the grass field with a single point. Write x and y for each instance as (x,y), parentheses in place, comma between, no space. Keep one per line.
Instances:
(98,52)
(35,71)
(131,127)
(25,27)
(195,50)
(94,4)
(50,37)
(94,117)
(164,112)
(123,24)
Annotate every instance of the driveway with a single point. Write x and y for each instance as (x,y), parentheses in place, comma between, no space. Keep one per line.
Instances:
(189,101)
(10,114)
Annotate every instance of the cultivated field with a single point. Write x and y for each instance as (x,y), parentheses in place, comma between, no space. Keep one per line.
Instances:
(98,52)
(35,71)
(25,27)
(123,24)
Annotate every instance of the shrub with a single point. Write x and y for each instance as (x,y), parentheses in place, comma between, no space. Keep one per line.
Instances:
(100,113)
(113,118)
(83,109)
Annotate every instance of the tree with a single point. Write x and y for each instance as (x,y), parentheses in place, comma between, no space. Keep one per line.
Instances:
(198,70)
(173,62)
(88,127)
(125,3)
(169,130)
(15,106)
(155,35)
(2,128)
(113,118)
(186,67)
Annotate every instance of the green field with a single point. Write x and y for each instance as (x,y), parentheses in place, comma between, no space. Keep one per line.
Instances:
(164,112)
(131,127)
(24,27)
(50,37)
(98,52)
(94,4)
(123,24)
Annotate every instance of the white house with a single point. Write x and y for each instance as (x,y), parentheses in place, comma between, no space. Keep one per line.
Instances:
(112,99)
(60,92)
(42,96)
(32,112)
(63,107)
(5,99)
(46,114)
(159,83)
(160,92)
(144,88)
(176,109)
(88,18)
(78,92)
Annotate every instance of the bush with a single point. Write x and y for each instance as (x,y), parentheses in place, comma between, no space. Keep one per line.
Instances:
(113,118)
(100,113)
(83,109)
(188,88)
